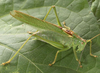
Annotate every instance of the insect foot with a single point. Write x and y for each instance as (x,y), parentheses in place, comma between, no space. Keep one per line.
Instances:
(53,6)
(29,32)
(79,63)
(94,55)
(51,63)
(5,63)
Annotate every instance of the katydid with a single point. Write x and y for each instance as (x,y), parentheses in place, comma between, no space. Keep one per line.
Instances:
(60,37)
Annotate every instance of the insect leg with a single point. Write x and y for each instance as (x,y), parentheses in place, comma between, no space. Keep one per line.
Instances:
(77,57)
(18,50)
(57,55)
(47,14)
(55,14)
(91,44)
(66,26)
(91,50)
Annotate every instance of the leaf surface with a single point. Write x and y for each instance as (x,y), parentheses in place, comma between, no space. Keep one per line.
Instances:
(36,55)
(95,7)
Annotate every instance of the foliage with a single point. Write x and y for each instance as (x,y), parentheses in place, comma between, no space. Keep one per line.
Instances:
(36,55)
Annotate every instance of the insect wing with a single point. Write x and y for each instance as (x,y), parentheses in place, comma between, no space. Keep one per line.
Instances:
(55,39)
(35,22)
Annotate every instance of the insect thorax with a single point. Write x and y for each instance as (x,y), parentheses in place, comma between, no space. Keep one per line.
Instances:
(78,42)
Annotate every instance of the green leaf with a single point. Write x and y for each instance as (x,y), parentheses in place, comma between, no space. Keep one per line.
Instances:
(90,2)
(36,55)
(96,8)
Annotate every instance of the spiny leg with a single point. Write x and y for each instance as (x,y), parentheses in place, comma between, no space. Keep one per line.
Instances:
(17,51)
(55,14)
(77,57)
(57,55)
